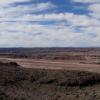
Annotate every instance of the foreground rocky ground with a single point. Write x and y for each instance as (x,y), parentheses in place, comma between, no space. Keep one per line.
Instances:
(17,83)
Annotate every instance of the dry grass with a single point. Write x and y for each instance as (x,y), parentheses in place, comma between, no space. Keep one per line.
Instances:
(43,84)
(64,78)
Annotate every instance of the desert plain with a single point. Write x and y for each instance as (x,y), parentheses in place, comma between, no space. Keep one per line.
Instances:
(50,74)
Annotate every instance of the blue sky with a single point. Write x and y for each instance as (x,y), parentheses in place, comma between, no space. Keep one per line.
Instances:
(49,23)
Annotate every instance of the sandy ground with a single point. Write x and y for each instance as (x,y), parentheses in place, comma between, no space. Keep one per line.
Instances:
(48,64)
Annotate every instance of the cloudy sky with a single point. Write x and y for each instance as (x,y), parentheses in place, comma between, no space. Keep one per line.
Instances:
(49,23)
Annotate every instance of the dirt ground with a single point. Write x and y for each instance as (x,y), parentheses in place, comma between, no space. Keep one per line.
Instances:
(18,83)
(85,59)
(51,64)
(50,74)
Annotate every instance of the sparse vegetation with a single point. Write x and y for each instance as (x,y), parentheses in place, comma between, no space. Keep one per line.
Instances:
(18,83)
(39,84)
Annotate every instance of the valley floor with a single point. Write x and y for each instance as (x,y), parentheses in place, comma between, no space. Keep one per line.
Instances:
(55,64)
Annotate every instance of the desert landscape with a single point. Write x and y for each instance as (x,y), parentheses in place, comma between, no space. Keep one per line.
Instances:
(50,74)
(49,49)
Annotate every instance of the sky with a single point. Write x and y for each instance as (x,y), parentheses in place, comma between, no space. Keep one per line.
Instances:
(49,23)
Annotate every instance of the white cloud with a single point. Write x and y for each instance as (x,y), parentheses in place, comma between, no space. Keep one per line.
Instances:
(95,8)
(13,11)
(7,2)
(87,1)
(16,28)
(33,35)
(73,19)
